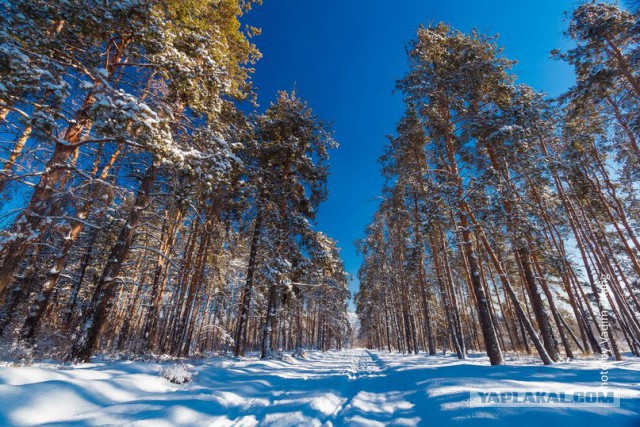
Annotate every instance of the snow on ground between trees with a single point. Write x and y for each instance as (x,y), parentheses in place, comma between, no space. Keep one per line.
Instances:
(355,387)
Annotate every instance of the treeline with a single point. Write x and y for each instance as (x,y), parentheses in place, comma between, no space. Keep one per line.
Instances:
(142,210)
(509,221)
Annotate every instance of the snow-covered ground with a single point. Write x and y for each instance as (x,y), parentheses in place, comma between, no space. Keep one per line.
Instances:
(355,387)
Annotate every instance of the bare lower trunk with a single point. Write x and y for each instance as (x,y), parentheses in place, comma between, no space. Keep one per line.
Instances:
(535,296)
(245,305)
(268,324)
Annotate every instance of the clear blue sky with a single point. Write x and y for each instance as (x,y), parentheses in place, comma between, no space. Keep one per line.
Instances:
(344,57)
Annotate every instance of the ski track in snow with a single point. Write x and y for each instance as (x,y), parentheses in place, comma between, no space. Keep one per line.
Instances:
(355,387)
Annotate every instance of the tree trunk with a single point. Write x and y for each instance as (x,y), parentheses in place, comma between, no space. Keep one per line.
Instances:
(245,305)
(268,324)
(95,317)
(7,169)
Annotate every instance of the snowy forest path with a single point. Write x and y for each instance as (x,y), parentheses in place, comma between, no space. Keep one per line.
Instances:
(336,388)
(363,366)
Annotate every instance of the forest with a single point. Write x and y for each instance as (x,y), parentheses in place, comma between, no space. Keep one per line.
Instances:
(509,221)
(148,207)
(184,242)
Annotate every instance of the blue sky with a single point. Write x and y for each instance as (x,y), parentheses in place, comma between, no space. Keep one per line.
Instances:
(343,56)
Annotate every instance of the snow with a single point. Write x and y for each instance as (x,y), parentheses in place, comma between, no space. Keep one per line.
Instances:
(354,387)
